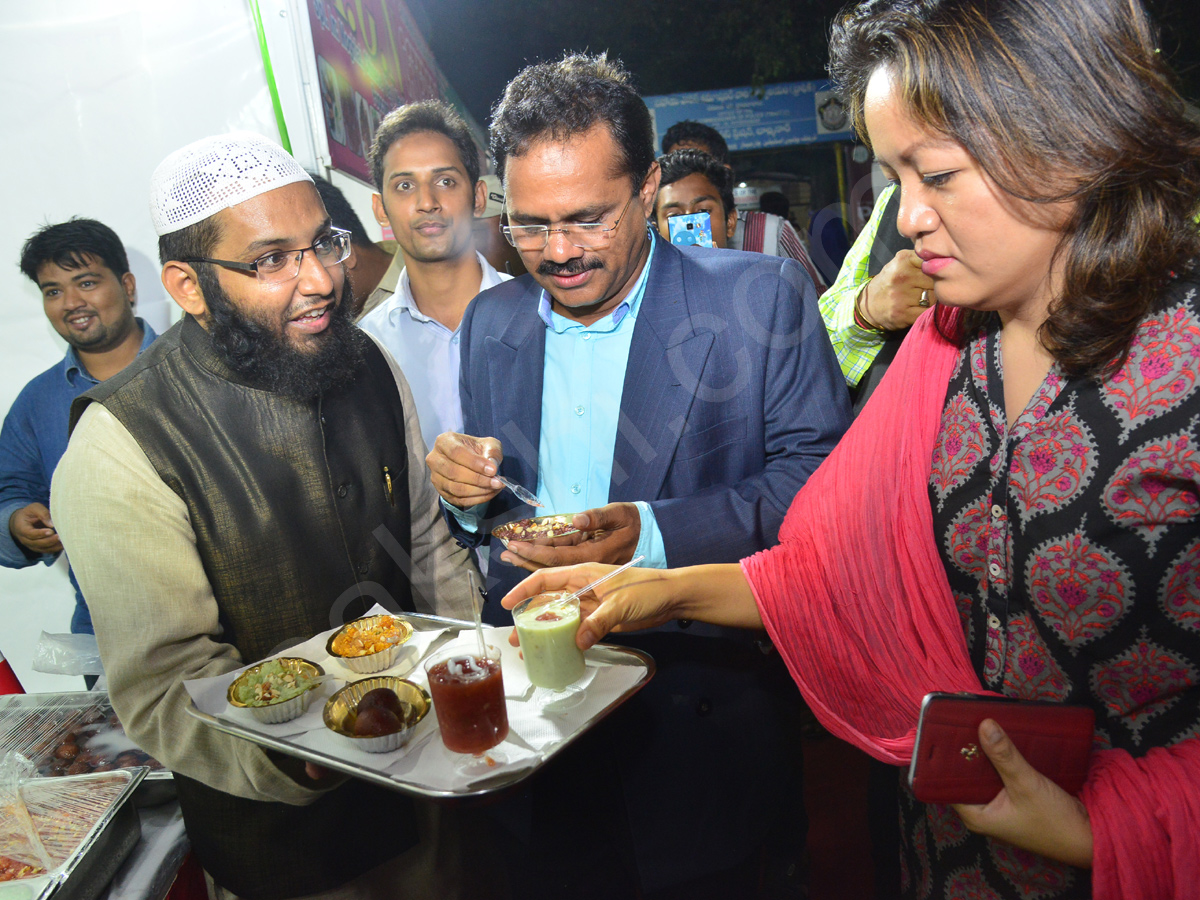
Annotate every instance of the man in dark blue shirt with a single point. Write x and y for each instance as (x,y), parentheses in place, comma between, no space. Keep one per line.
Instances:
(88,292)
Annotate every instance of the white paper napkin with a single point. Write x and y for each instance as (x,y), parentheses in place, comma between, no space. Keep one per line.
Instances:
(541,727)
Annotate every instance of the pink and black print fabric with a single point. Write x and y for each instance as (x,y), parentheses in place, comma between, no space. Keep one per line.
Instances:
(1072,545)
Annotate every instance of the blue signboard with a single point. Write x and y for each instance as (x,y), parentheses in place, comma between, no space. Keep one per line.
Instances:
(799,112)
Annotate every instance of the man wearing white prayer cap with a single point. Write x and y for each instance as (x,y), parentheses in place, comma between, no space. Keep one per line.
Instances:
(255,478)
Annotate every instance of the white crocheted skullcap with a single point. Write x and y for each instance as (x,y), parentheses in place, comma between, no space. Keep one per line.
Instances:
(215,173)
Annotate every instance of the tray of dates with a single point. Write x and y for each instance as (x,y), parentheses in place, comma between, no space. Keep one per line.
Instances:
(77,734)
(85,826)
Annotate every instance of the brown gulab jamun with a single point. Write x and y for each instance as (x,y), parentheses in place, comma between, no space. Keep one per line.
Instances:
(383,698)
(374,722)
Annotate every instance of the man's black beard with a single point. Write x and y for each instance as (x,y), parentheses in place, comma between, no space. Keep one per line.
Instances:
(265,358)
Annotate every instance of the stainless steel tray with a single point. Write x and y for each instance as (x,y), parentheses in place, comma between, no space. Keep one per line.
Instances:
(606,654)
(106,854)
(90,866)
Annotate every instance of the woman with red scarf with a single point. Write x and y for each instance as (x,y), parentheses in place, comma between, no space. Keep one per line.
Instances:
(1017,509)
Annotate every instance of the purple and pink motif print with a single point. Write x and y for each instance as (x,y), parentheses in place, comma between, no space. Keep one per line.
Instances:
(963,603)
(993,659)
(962,442)
(1156,487)
(1078,588)
(1180,591)
(1141,683)
(970,884)
(1031,671)
(946,826)
(978,364)
(967,540)
(920,847)
(1160,371)
(1030,877)
(1052,464)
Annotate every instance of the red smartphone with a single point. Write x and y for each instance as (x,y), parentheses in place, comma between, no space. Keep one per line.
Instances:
(949,766)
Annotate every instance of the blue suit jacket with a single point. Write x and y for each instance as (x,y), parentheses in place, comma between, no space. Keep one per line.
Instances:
(732,397)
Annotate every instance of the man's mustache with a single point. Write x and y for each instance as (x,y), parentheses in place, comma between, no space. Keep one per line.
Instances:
(570,267)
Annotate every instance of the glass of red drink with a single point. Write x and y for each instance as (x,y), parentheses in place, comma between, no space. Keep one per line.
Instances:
(468,698)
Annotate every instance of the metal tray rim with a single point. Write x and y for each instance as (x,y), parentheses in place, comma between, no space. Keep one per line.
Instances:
(477,789)
(133,776)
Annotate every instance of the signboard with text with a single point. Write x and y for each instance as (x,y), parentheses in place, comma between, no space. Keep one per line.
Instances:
(778,115)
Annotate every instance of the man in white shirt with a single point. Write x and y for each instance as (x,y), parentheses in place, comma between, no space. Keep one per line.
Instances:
(426,167)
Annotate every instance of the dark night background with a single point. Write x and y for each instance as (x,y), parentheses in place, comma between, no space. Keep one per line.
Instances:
(672,46)
(680,45)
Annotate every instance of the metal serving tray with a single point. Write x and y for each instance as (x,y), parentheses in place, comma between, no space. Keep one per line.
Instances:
(91,865)
(604,654)
(35,725)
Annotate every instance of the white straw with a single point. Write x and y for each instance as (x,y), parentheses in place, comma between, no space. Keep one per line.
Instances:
(477,609)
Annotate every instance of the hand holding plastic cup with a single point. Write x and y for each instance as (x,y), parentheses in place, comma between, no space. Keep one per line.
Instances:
(546,626)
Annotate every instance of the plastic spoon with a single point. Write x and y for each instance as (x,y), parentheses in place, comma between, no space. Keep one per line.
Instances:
(574,595)
(522,494)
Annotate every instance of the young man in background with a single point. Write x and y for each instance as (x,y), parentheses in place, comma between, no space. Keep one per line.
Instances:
(426,168)
(88,294)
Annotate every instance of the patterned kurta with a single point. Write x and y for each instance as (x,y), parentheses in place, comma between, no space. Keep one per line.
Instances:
(1073,550)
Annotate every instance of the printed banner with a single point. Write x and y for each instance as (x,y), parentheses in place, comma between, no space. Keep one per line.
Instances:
(799,112)
(370,59)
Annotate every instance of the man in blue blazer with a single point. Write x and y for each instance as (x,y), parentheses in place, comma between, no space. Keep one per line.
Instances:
(676,400)
(728,404)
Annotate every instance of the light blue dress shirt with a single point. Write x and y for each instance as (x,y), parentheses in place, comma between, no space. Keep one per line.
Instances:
(32,441)
(426,350)
(582,381)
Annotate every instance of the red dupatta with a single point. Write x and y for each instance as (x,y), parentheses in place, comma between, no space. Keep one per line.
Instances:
(856,600)
(878,628)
